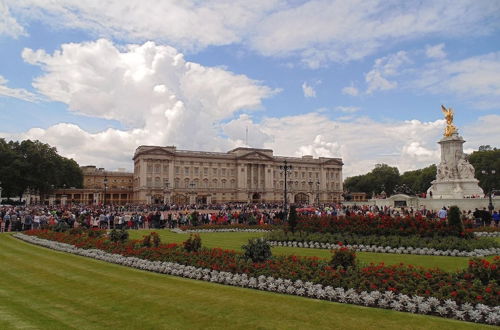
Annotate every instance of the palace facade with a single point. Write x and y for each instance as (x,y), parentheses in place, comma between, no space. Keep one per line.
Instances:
(169,175)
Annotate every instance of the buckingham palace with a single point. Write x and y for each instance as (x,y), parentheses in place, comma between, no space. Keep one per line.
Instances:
(249,175)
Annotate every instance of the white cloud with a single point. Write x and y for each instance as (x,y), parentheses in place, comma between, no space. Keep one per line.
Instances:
(350,90)
(436,52)
(347,109)
(141,86)
(188,25)
(316,32)
(151,89)
(18,93)
(319,148)
(8,24)
(387,66)
(475,79)
(361,142)
(326,30)
(308,90)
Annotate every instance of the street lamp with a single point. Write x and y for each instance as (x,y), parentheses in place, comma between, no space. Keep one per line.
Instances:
(317,194)
(193,193)
(286,169)
(0,192)
(490,188)
(105,188)
(166,191)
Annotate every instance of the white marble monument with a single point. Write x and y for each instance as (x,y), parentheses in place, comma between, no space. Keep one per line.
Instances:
(455,175)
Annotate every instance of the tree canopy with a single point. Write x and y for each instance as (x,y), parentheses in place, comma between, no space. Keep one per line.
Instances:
(382,178)
(486,159)
(35,165)
(387,178)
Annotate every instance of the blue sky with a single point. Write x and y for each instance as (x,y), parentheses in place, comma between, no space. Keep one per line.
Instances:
(361,80)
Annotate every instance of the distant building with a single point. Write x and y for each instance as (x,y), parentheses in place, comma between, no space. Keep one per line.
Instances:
(118,189)
(359,197)
(168,175)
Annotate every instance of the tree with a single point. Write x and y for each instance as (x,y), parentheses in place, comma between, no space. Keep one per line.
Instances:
(35,165)
(487,159)
(419,180)
(292,219)
(382,177)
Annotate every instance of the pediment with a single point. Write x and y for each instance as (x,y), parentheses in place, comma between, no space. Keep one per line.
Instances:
(333,162)
(255,155)
(157,151)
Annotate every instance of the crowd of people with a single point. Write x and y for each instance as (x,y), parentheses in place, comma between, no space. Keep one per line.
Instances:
(19,218)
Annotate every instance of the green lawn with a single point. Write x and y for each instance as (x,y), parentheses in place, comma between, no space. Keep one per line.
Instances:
(234,241)
(44,289)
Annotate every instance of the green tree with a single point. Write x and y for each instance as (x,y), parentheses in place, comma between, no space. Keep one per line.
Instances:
(36,165)
(419,180)
(382,177)
(487,159)
(292,218)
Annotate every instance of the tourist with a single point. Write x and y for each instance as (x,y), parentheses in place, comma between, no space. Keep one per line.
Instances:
(485,217)
(496,218)
(443,213)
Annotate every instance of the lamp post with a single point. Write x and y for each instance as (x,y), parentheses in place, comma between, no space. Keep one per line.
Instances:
(490,188)
(166,191)
(317,193)
(1,192)
(191,186)
(105,188)
(286,169)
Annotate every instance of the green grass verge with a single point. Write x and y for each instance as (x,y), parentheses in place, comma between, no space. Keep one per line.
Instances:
(45,289)
(234,241)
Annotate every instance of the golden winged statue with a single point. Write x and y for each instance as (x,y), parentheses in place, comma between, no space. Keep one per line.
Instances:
(448,115)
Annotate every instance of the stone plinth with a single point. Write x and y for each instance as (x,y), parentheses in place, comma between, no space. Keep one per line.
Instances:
(455,175)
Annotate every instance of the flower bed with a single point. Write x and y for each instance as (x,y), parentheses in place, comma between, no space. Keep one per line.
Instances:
(487,233)
(371,296)
(452,246)
(389,249)
(228,228)
(384,225)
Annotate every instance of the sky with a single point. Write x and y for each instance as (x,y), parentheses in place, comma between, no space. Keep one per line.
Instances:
(359,80)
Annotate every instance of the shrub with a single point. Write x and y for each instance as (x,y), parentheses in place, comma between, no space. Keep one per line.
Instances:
(252,221)
(292,219)
(257,250)
(455,221)
(193,243)
(484,270)
(344,258)
(194,218)
(151,240)
(118,235)
(96,233)
(77,231)
(61,226)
